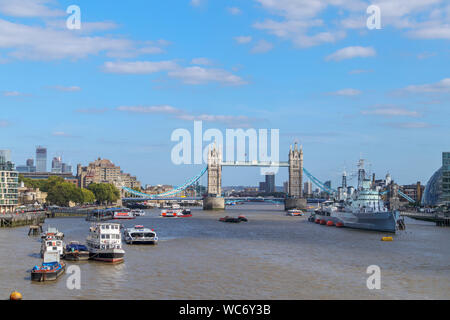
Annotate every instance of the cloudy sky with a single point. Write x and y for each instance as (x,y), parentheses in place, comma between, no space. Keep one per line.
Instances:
(139,69)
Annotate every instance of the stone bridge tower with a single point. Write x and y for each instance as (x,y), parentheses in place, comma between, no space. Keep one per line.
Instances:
(214,199)
(294,199)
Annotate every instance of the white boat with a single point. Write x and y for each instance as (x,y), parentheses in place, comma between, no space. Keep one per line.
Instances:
(138,212)
(123,214)
(295,213)
(52,232)
(105,242)
(176,206)
(169,213)
(52,245)
(140,235)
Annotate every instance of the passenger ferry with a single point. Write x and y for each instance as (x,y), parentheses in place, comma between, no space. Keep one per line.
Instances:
(104,243)
(140,235)
(123,214)
(52,244)
(169,213)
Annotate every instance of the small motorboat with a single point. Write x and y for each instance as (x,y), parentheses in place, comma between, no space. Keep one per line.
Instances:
(140,235)
(294,213)
(170,213)
(230,219)
(243,218)
(75,251)
(138,212)
(186,213)
(50,270)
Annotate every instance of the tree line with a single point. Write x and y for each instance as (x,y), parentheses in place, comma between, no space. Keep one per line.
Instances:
(61,193)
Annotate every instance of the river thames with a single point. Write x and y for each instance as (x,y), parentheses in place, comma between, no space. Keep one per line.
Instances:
(273,256)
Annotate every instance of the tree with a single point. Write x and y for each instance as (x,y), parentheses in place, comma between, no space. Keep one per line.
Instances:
(104,192)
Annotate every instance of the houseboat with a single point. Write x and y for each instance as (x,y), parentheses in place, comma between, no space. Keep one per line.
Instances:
(75,251)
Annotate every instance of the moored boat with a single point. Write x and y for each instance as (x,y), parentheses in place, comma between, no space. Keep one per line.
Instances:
(75,251)
(123,214)
(51,244)
(50,270)
(294,213)
(52,232)
(230,219)
(169,213)
(140,235)
(104,243)
(138,212)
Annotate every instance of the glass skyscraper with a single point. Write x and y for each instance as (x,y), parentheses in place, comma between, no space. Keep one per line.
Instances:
(446,177)
(41,159)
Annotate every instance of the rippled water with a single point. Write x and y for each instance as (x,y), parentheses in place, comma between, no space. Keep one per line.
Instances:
(272,256)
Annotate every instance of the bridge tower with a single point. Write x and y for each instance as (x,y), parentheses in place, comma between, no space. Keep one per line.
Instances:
(294,199)
(214,199)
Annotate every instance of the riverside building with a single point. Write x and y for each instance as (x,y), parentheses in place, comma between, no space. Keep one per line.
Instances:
(8,184)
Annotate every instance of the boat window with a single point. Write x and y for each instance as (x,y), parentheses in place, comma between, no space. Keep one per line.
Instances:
(103,236)
(107,236)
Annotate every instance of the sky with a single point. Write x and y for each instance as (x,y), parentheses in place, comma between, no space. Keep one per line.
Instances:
(137,70)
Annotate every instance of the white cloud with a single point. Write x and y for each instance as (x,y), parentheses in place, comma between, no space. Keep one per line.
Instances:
(262,46)
(29,8)
(242,121)
(391,112)
(346,92)
(198,75)
(190,75)
(442,86)
(139,67)
(4,123)
(243,39)
(202,61)
(409,125)
(15,94)
(162,109)
(234,11)
(352,52)
(66,89)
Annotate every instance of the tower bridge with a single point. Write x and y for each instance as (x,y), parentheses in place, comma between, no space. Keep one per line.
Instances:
(214,200)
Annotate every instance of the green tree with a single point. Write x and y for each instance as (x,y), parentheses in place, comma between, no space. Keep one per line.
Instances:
(104,192)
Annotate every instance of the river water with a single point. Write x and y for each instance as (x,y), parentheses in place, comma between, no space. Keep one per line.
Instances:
(273,256)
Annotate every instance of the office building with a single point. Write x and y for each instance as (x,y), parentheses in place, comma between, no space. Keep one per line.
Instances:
(307,189)
(270,183)
(437,191)
(41,159)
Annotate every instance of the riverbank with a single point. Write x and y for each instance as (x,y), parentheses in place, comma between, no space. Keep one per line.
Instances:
(21,219)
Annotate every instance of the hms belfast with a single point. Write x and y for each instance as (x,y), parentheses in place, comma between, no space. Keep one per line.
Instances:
(365,209)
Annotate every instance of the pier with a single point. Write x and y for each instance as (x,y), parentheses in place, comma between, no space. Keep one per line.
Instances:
(441,219)
(22,219)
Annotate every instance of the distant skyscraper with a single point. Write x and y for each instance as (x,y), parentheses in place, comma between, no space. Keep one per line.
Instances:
(446,177)
(30,162)
(66,168)
(57,165)
(41,159)
(327,184)
(307,187)
(286,187)
(270,182)
(6,155)
(262,186)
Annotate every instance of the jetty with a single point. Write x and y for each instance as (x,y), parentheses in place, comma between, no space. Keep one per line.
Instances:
(441,219)
(21,219)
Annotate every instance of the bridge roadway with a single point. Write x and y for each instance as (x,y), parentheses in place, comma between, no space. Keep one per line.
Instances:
(250,199)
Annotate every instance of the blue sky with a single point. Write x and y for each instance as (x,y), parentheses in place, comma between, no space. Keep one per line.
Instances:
(139,69)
